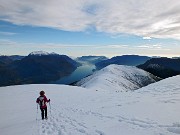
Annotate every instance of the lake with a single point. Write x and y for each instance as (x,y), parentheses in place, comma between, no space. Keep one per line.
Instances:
(81,72)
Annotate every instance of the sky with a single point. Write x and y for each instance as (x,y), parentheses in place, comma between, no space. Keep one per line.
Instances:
(90,27)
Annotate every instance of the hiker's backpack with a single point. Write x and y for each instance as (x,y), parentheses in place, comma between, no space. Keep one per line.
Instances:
(41,101)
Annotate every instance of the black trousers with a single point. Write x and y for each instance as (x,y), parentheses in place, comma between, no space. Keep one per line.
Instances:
(43,111)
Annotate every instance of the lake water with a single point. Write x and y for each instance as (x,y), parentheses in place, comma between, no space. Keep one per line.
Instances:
(78,74)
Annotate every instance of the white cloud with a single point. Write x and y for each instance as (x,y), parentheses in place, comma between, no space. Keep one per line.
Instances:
(7,33)
(113,46)
(6,42)
(153,47)
(146,18)
(147,38)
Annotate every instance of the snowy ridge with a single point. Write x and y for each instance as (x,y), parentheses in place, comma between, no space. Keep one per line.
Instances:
(41,53)
(151,110)
(118,78)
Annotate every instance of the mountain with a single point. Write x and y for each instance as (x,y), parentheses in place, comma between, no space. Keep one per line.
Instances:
(151,110)
(36,68)
(118,78)
(162,67)
(5,60)
(129,60)
(42,54)
(176,57)
(8,59)
(16,57)
(92,59)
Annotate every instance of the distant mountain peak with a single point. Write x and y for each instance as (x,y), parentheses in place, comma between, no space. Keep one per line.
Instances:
(41,53)
(129,60)
(92,59)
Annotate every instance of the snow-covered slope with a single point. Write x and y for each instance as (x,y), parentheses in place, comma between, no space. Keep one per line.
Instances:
(152,110)
(118,78)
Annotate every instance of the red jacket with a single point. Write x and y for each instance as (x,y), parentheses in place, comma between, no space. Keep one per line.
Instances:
(42,100)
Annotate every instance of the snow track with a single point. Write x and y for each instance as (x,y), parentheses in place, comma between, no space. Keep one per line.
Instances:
(59,123)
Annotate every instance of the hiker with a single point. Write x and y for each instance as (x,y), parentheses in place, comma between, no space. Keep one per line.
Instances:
(42,100)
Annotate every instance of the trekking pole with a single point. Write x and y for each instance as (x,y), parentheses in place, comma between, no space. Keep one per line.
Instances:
(50,107)
(37,112)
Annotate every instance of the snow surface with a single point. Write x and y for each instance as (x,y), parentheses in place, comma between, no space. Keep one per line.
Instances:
(151,110)
(118,78)
(41,53)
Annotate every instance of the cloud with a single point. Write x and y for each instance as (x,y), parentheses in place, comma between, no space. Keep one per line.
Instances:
(153,47)
(52,45)
(113,46)
(10,47)
(146,18)
(7,33)
(147,38)
(6,42)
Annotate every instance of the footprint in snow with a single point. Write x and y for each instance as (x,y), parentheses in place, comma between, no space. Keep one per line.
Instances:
(99,132)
